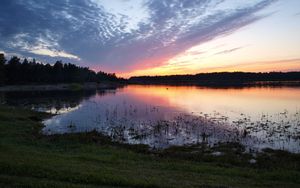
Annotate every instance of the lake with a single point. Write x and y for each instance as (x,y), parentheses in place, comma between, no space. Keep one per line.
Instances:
(164,116)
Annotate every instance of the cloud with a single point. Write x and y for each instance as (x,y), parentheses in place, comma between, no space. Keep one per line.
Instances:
(71,27)
(284,65)
(229,51)
(122,36)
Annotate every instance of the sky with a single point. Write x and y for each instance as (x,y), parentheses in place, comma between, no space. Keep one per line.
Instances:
(155,37)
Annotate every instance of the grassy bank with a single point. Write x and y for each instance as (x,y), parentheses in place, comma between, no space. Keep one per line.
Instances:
(29,159)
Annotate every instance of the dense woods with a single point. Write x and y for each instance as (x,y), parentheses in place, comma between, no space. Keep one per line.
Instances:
(17,71)
(220,78)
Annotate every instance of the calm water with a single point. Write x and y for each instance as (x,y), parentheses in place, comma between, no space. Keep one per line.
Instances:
(162,116)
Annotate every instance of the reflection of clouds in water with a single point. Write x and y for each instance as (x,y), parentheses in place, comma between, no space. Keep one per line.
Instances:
(53,110)
(51,124)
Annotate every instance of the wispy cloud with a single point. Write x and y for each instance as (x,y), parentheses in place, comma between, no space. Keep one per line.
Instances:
(259,66)
(229,50)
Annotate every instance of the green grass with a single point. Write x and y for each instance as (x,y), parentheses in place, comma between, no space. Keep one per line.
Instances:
(29,159)
(76,87)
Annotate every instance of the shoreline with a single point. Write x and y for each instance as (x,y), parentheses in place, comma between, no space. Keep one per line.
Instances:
(60,87)
(114,85)
(211,84)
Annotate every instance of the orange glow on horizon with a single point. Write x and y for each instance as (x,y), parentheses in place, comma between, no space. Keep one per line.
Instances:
(193,68)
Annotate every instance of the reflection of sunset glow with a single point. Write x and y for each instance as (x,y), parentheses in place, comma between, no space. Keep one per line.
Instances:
(193,99)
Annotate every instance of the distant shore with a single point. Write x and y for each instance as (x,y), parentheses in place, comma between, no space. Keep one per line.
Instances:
(218,84)
(224,79)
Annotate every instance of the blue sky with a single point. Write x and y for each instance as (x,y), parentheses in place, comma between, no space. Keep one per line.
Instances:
(135,37)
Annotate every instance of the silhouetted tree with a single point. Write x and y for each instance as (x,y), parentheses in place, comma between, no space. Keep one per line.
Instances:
(58,72)
(13,70)
(36,72)
(2,69)
(24,70)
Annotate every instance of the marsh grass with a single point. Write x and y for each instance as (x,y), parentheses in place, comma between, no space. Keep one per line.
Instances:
(75,87)
(30,159)
(161,127)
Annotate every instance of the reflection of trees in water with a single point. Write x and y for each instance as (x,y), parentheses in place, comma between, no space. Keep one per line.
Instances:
(2,98)
(49,101)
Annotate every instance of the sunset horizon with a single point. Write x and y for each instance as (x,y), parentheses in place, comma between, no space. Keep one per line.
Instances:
(293,66)
(135,38)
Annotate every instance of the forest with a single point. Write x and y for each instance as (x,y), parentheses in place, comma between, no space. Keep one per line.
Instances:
(218,78)
(23,71)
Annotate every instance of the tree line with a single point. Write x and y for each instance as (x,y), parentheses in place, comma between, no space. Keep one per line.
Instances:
(17,71)
(218,78)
